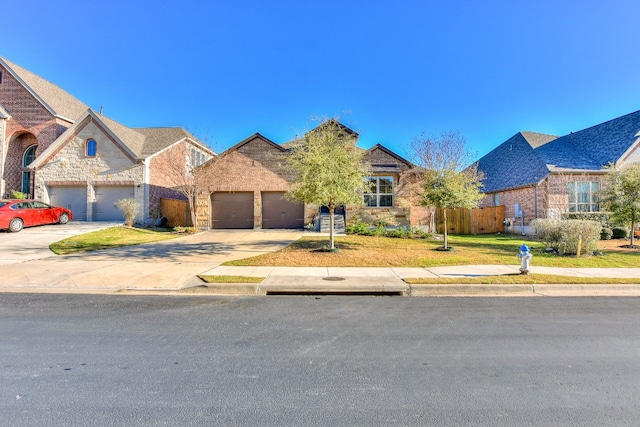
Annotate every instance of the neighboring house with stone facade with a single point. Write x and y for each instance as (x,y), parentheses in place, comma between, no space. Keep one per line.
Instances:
(56,149)
(244,187)
(548,175)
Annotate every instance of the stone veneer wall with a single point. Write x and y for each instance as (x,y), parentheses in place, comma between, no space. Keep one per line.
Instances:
(111,165)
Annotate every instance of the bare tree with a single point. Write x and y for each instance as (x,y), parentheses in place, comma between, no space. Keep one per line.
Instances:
(179,173)
(448,177)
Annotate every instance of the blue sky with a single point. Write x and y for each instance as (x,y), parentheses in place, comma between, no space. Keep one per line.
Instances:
(390,70)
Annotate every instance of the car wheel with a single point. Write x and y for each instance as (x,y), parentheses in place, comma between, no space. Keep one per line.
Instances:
(64,218)
(16,225)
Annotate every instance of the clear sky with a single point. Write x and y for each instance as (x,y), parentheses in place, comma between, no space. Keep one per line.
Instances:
(388,69)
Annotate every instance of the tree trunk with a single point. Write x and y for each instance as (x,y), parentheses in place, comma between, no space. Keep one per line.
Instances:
(633,230)
(332,207)
(444,216)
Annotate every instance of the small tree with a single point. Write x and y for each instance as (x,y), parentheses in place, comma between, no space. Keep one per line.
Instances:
(129,208)
(329,169)
(621,196)
(180,174)
(445,182)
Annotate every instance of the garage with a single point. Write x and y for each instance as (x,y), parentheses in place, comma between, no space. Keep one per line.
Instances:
(106,197)
(72,198)
(232,210)
(278,212)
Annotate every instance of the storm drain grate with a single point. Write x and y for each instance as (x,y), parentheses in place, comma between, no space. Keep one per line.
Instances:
(333,278)
(338,293)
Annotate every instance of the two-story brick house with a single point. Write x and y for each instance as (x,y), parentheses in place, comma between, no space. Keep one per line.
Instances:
(244,187)
(546,175)
(55,148)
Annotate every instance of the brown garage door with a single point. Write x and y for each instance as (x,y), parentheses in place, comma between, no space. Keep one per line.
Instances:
(232,210)
(278,212)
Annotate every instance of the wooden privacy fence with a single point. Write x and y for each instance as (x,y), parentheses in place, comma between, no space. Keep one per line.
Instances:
(176,212)
(487,220)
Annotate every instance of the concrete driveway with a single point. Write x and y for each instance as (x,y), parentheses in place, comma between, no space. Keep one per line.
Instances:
(33,242)
(168,265)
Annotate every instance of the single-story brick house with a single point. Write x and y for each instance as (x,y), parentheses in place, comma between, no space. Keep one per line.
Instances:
(55,148)
(244,187)
(548,175)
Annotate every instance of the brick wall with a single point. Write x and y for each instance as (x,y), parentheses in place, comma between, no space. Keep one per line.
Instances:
(549,199)
(28,116)
(258,166)
(167,171)
(255,166)
(405,210)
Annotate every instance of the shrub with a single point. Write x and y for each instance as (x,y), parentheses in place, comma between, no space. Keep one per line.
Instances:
(620,232)
(18,195)
(358,227)
(567,236)
(129,208)
(363,229)
(606,233)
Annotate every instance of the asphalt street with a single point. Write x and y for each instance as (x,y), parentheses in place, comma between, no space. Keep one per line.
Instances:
(149,360)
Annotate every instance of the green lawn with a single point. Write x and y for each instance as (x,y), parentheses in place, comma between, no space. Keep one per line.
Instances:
(367,251)
(109,238)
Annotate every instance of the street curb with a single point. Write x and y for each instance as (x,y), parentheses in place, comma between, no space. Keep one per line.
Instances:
(429,290)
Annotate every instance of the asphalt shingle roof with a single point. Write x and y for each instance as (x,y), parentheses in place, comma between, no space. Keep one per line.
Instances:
(62,103)
(528,157)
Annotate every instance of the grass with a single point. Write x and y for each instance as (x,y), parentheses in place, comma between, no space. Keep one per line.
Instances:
(368,251)
(109,238)
(231,279)
(527,279)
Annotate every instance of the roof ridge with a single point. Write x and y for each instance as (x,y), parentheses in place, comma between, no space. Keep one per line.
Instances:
(55,99)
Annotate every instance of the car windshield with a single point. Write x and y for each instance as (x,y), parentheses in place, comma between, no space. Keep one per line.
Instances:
(3,203)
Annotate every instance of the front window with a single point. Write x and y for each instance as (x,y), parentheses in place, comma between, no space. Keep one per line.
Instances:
(28,157)
(496,199)
(380,191)
(584,196)
(91,148)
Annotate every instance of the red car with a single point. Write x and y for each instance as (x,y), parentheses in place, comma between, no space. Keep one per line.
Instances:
(18,213)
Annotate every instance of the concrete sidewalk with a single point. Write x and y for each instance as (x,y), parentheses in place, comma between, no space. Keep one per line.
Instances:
(390,281)
(172,267)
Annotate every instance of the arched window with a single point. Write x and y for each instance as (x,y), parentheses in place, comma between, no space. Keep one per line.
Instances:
(28,157)
(90,148)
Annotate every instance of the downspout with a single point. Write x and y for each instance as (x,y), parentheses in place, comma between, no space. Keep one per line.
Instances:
(145,190)
(535,201)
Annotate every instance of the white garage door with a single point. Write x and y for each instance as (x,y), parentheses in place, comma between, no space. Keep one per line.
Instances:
(72,198)
(106,197)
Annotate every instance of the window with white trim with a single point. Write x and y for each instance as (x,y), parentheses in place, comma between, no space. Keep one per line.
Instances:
(380,191)
(584,196)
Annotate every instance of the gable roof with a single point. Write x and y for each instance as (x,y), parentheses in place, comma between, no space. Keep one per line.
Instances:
(137,144)
(536,140)
(528,157)
(512,164)
(58,102)
(334,122)
(159,138)
(387,167)
(251,138)
(593,148)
